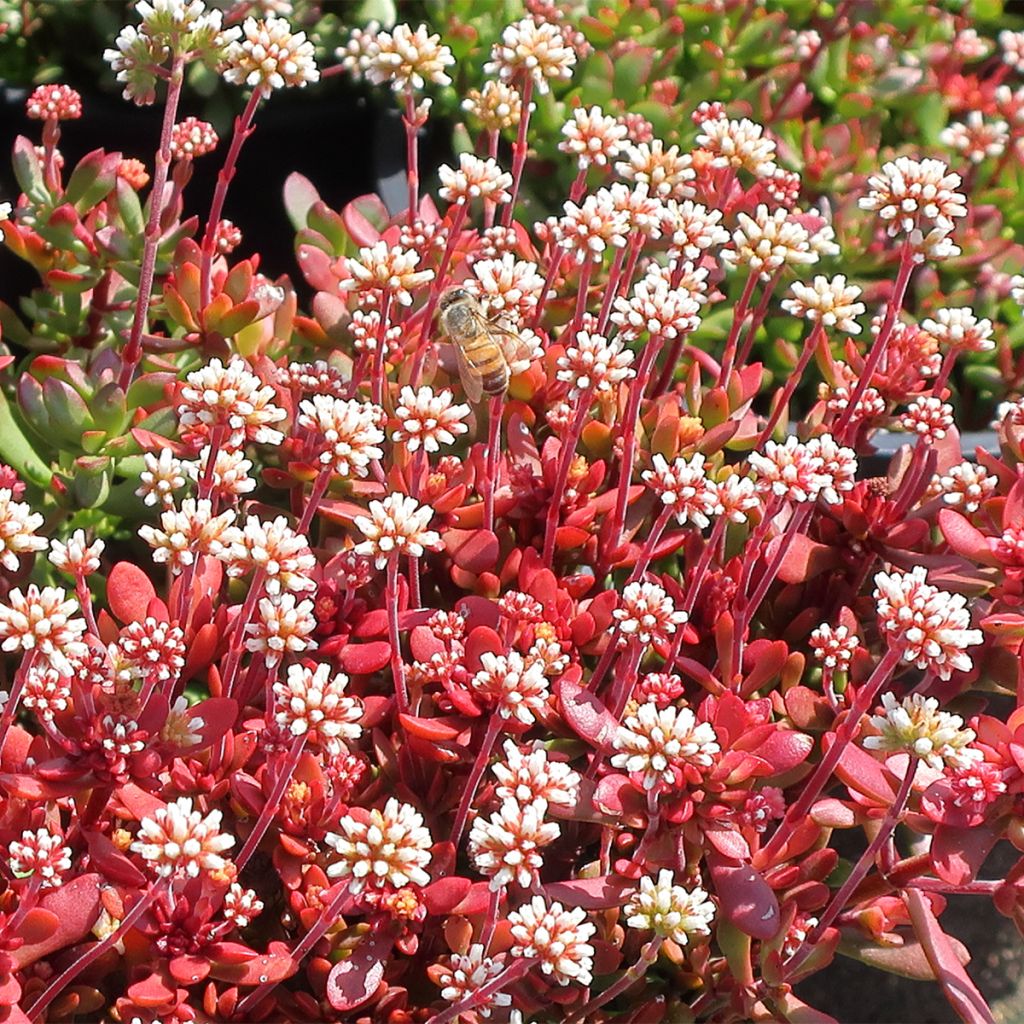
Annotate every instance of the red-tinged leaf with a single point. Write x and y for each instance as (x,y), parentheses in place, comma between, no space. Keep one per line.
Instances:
(436,729)
(591,893)
(375,707)
(587,715)
(138,802)
(783,749)
(481,640)
(231,953)
(475,551)
(373,623)
(1004,624)
(201,650)
(804,559)
(424,643)
(747,899)
(568,538)
(151,992)
(956,983)
(37,926)
(959,853)
(188,970)
(796,1011)
(833,813)
(435,750)
(114,865)
(1013,510)
(965,539)
(444,895)
(728,843)
(858,770)
(129,591)
(615,795)
(365,217)
(342,512)
(76,905)
(218,715)
(354,980)
(476,901)
(274,965)
(365,659)
(906,961)
(299,196)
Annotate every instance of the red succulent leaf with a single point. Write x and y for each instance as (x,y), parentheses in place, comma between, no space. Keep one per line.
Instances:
(591,893)
(473,550)
(436,729)
(445,894)
(188,970)
(274,965)
(747,900)
(365,659)
(965,539)
(355,980)
(958,853)
(948,969)
(115,865)
(76,905)
(587,714)
(37,926)
(129,592)
(804,558)
(151,992)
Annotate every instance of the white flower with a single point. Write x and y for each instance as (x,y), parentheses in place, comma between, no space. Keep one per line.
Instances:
(528,775)
(769,241)
(507,848)
(43,854)
(346,433)
(647,613)
(162,476)
(669,910)
(18,525)
(388,847)
(961,329)
(663,744)
(270,56)
(475,178)
(315,703)
(916,724)
(516,686)
(738,144)
(380,267)
(829,302)
(408,57)
(684,487)
(177,840)
(927,626)
(556,937)
(396,526)
(537,49)
(428,420)
(593,137)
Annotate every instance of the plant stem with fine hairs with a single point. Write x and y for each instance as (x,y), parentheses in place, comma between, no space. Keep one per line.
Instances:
(147,271)
(519,152)
(648,955)
(397,665)
(867,858)
(814,786)
(243,129)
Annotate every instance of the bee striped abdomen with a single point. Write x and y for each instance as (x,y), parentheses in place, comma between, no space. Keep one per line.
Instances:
(486,358)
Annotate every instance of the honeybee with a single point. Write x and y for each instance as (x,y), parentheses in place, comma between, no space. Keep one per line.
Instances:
(488,353)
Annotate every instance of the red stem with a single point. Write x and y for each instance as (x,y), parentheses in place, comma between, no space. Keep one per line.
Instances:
(243,129)
(813,787)
(476,774)
(497,403)
(561,480)
(288,767)
(738,317)
(636,393)
(895,304)
(519,152)
(133,351)
(412,163)
(790,386)
(397,666)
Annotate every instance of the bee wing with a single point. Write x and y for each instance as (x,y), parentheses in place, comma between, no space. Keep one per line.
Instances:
(516,351)
(471,382)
